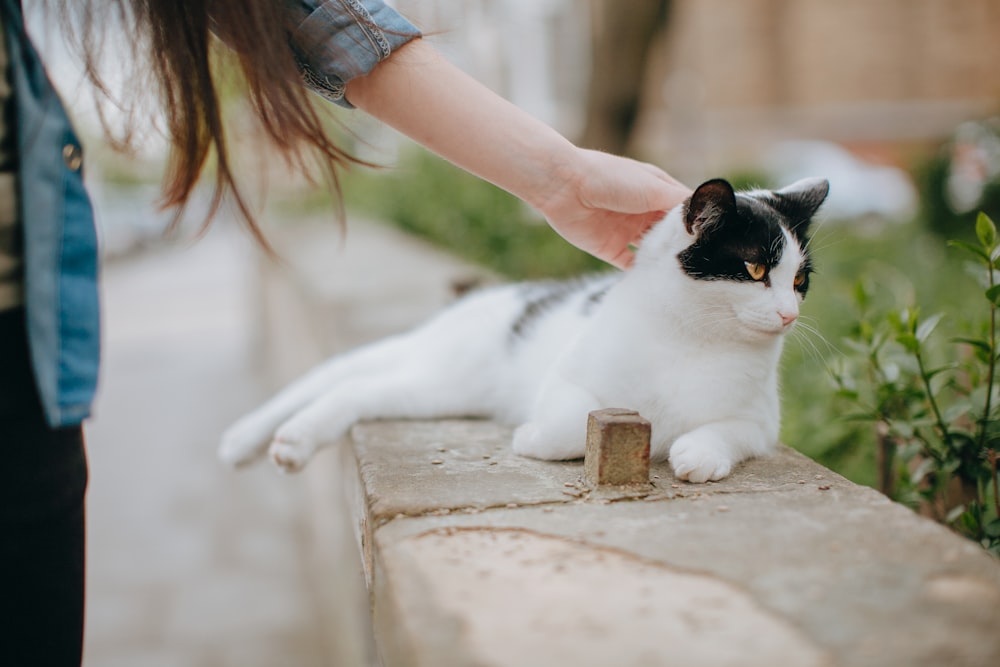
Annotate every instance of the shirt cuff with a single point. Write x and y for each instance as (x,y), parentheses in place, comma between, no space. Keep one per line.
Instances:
(339,40)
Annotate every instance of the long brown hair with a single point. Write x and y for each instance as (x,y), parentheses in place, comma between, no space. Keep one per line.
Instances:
(178,39)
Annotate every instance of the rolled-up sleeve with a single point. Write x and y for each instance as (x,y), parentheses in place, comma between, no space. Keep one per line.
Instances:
(338,40)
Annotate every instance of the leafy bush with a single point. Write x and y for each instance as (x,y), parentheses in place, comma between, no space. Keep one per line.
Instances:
(936,421)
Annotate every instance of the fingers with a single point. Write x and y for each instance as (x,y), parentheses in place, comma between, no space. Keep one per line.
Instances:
(661,193)
(631,233)
(623,259)
(612,204)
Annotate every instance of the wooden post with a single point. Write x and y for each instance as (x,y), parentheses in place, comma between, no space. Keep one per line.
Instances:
(617,448)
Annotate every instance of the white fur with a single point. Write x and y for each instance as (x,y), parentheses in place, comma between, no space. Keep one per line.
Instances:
(697,358)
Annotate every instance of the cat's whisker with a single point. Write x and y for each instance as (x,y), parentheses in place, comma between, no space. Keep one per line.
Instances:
(806,335)
(806,343)
(827,240)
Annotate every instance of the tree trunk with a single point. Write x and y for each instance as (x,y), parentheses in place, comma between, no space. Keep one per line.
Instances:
(623,31)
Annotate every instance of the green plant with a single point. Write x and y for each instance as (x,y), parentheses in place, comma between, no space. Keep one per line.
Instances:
(936,422)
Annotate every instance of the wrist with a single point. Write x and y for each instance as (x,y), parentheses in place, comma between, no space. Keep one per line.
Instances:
(555,171)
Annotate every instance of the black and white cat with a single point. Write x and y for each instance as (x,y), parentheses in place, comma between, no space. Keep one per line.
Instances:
(690,337)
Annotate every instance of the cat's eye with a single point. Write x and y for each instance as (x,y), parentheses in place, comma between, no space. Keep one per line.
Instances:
(800,279)
(756,271)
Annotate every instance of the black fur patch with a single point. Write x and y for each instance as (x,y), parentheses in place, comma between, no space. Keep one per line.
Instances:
(541,298)
(595,297)
(751,232)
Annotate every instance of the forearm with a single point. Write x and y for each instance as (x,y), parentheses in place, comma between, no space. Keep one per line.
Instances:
(425,97)
(598,202)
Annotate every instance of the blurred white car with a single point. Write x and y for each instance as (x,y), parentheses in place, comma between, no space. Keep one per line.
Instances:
(857,188)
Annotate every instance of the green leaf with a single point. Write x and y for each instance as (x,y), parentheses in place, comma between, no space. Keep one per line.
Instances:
(949,466)
(928,326)
(901,428)
(848,394)
(986,231)
(977,343)
(969,522)
(992,529)
(899,321)
(954,513)
(968,247)
(993,294)
(860,348)
(909,341)
(934,372)
(926,466)
(861,296)
(960,408)
(892,371)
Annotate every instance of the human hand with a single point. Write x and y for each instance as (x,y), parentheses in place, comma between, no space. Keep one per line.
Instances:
(602,203)
(596,201)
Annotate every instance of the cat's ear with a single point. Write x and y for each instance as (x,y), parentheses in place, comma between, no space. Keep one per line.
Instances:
(711,202)
(800,201)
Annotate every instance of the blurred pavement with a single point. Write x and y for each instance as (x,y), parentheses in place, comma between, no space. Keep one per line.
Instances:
(191,564)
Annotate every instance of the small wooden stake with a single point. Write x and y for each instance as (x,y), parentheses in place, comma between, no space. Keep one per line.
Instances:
(617,448)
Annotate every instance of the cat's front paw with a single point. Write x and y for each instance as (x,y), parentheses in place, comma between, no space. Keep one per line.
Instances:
(526,441)
(242,443)
(535,442)
(700,457)
(287,456)
(292,448)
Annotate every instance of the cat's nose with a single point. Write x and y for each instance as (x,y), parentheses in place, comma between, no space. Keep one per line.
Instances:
(787,317)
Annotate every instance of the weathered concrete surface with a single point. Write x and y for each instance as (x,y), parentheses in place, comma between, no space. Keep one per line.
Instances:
(479,557)
(416,468)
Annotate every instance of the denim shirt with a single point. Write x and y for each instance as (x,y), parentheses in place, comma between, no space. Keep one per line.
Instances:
(338,40)
(60,243)
(333,41)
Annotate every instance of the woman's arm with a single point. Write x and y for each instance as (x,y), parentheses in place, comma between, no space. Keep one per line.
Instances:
(598,202)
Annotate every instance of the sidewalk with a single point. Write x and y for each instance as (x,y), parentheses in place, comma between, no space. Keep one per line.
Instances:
(191,564)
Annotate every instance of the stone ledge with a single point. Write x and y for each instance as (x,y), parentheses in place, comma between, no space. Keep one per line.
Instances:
(438,467)
(477,556)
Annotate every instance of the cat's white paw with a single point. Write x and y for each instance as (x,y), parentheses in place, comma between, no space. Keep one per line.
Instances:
(700,457)
(288,457)
(525,441)
(534,442)
(292,448)
(242,443)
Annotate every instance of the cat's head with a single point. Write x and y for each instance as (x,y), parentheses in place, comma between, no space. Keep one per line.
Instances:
(742,256)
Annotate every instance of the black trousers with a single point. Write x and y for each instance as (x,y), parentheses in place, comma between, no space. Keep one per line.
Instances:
(43,479)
